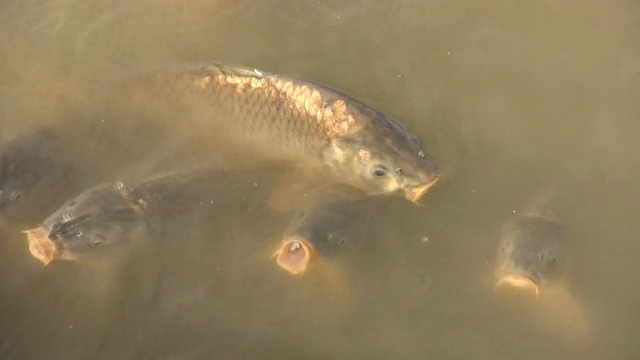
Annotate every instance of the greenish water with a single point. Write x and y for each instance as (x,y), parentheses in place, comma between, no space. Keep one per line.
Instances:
(511,99)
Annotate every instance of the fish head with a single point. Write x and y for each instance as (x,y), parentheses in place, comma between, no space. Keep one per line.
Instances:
(95,225)
(320,231)
(383,157)
(531,253)
(295,255)
(299,247)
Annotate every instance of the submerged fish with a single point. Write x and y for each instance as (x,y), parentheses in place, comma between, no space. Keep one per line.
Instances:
(102,220)
(531,250)
(27,163)
(360,145)
(319,230)
(43,167)
(113,218)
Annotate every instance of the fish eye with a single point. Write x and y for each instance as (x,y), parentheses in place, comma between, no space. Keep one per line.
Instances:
(97,240)
(15,195)
(380,171)
(399,171)
(120,186)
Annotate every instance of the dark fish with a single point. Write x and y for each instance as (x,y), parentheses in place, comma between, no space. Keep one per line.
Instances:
(360,145)
(111,219)
(102,220)
(319,230)
(42,168)
(532,248)
(27,163)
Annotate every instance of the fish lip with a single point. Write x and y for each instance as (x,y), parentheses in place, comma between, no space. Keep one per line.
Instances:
(519,281)
(416,193)
(41,246)
(284,258)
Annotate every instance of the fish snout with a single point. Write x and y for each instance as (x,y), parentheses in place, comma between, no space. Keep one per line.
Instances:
(416,193)
(520,282)
(294,255)
(41,246)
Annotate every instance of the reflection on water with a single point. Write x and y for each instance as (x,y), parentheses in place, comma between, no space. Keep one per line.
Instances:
(513,99)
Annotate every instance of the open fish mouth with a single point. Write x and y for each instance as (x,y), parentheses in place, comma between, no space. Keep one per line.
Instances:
(294,255)
(519,282)
(416,194)
(41,246)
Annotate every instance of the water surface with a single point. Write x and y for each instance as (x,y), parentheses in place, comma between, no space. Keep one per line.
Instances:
(511,99)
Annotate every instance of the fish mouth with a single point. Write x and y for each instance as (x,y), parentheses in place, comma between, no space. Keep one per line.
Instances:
(519,282)
(415,194)
(294,255)
(41,246)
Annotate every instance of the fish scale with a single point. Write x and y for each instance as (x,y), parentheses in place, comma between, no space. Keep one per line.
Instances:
(264,106)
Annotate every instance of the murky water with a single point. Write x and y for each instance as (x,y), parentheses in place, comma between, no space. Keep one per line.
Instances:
(511,99)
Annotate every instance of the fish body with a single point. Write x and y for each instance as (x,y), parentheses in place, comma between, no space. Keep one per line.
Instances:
(110,219)
(276,114)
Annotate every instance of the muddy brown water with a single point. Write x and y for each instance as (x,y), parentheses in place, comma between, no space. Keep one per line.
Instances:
(510,98)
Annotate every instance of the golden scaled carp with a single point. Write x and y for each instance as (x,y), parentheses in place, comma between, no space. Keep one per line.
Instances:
(360,145)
